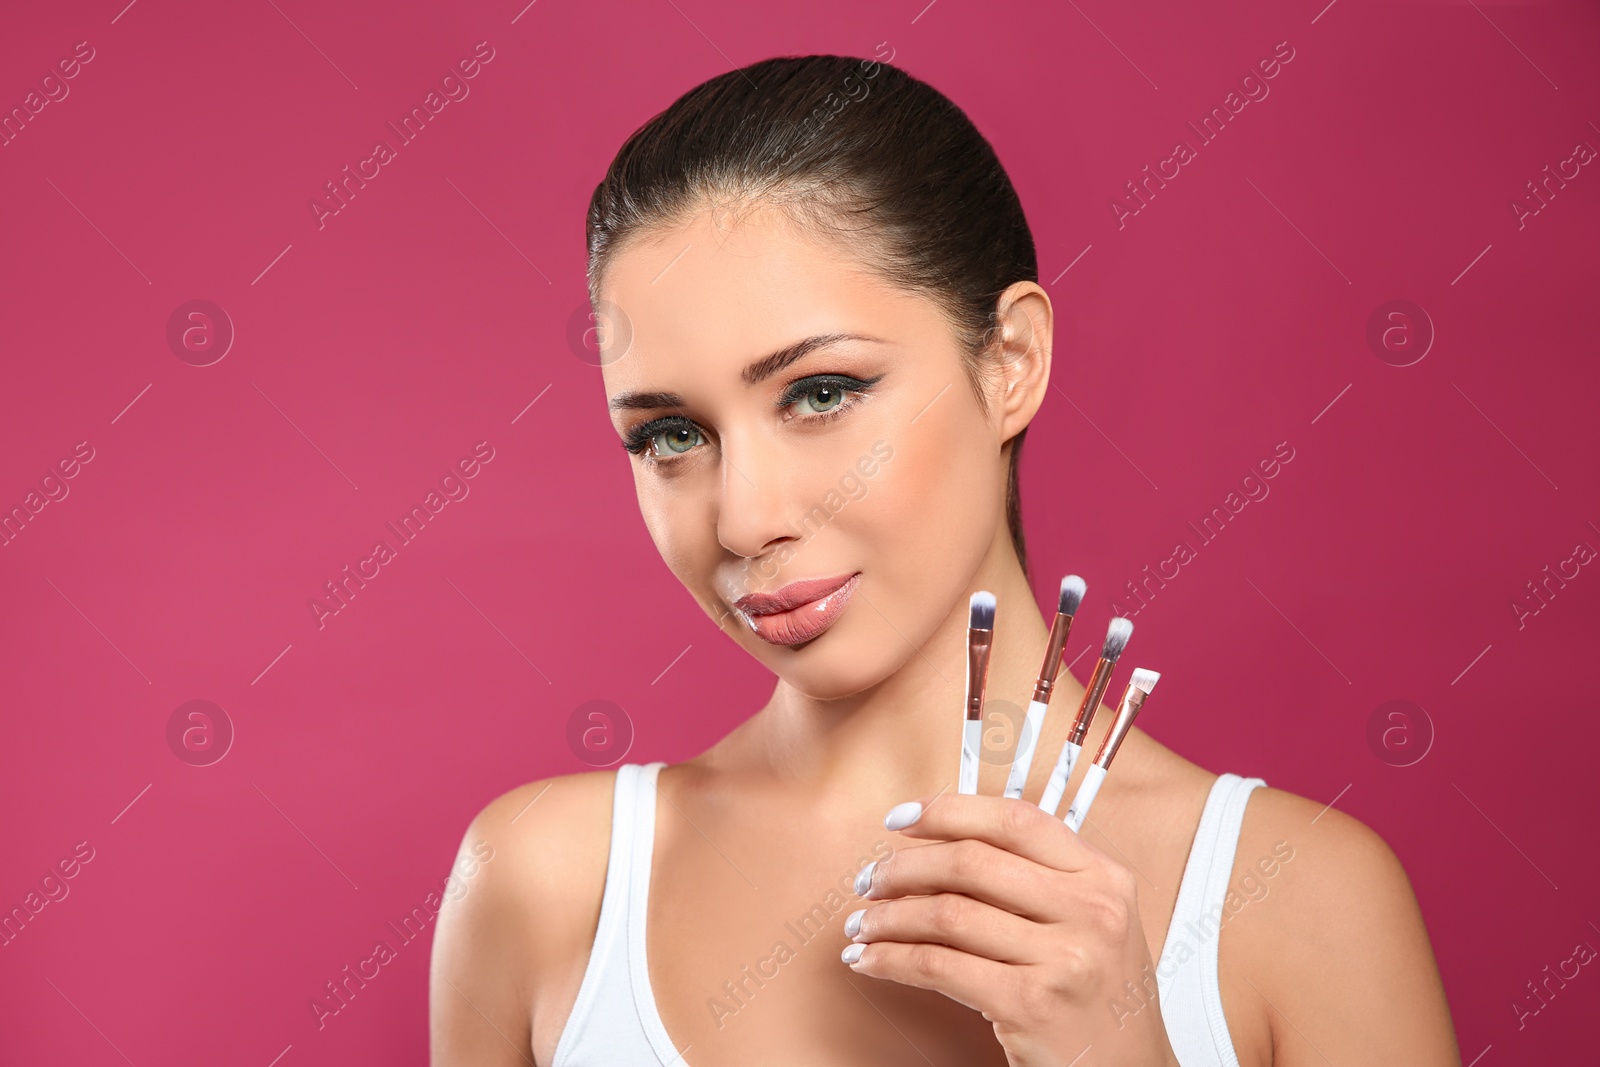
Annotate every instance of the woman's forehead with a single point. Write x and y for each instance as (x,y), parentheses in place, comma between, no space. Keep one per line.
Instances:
(703,296)
(712,259)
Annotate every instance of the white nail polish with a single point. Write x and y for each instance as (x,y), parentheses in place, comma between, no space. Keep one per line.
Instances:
(864,879)
(852,922)
(852,953)
(903,815)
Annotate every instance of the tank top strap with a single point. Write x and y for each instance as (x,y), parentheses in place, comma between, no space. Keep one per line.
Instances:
(595,1027)
(1191,995)
(640,800)
(621,867)
(639,864)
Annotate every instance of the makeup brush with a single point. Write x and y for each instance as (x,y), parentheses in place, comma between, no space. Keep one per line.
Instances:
(1072,590)
(980,639)
(1132,700)
(1117,635)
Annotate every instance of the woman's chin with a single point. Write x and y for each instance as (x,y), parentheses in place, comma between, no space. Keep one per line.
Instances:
(834,664)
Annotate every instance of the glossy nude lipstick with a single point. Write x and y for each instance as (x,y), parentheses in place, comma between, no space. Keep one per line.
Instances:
(799,611)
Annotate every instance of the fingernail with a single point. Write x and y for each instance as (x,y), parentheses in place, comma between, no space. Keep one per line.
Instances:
(903,815)
(852,922)
(852,953)
(864,879)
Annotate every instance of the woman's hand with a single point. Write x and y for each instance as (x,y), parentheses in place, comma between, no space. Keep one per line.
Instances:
(1010,913)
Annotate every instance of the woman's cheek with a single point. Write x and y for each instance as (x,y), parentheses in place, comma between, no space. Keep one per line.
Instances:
(929,487)
(669,518)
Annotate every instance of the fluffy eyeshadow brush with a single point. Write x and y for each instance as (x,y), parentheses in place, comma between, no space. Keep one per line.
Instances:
(980,640)
(1117,635)
(1138,688)
(1072,590)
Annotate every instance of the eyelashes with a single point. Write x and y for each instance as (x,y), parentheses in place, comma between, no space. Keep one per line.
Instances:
(851,392)
(639,438)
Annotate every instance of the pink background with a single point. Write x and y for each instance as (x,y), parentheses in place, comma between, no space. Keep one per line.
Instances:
(1228,315)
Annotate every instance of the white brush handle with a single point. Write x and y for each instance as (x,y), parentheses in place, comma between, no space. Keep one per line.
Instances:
(971,743)
(1027,745)
(1058,778)
(1079,809)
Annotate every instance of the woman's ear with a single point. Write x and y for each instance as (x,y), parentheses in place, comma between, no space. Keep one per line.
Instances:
(1022,334)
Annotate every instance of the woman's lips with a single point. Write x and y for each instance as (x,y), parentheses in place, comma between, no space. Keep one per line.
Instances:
(799,611)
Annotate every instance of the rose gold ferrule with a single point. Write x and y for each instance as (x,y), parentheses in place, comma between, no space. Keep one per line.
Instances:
(1052,658)
(1132,701)
(1091,698)
(978,644)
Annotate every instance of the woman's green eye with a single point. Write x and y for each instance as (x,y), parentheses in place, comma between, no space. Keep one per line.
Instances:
(679,439)
(819,399)
(826,397)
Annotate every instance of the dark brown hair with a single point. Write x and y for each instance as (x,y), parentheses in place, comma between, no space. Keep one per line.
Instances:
(855,150)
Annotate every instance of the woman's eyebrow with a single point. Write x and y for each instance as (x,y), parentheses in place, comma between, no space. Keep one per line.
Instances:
(754,374)
(645,401)
(767,366)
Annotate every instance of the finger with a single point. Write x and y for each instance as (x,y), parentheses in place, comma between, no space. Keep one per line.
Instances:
(950,919)
(972,868)
(1009,823)
(981,984)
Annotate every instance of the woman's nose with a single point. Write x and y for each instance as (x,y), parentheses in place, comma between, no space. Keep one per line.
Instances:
(758,485)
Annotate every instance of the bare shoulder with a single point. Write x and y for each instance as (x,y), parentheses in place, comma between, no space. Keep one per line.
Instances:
(550,832)
(518,917)
(1323,935)
(1163,794)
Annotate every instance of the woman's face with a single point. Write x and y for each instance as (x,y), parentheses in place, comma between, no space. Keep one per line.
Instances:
(866,458)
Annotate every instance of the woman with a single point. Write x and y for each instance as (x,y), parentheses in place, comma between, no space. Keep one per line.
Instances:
(826,341)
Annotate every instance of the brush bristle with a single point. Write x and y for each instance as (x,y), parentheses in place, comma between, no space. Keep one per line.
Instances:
(1117,635)
(1145,679)
(1072,590)
(982,610)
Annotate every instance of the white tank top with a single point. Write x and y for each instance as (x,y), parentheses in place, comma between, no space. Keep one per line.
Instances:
(614,1020)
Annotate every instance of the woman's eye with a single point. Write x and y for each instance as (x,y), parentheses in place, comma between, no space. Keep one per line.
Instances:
(821,398)
(817,399)
(663,438)
(826,396)
(677,440)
